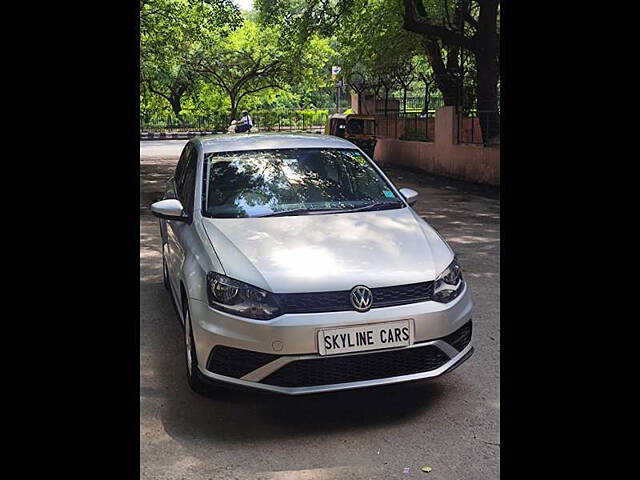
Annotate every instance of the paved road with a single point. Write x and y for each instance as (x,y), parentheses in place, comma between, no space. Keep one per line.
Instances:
(451,423)
(160,149)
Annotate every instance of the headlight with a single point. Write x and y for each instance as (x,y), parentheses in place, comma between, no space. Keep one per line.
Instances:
(240,298)
(449,283)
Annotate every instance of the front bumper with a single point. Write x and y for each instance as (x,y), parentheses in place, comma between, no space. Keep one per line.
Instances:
(281,355)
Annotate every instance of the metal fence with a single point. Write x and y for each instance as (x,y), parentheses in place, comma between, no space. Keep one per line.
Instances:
(168,123)
(415,126)
(396,104)
(264,120)
(475,125)
(407,126)
(419,126)
(291,121)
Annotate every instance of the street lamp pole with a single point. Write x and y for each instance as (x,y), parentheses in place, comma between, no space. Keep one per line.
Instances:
(335,71)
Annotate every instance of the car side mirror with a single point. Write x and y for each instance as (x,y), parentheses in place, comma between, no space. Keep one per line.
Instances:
(170,209)
(411,196)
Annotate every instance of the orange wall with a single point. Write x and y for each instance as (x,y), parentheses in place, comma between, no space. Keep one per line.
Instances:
(474,163)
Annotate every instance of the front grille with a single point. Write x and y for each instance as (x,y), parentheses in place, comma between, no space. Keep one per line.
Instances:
(314,302)
(417,292)
(236,363)
(461,337)
(340,301)
(353,368)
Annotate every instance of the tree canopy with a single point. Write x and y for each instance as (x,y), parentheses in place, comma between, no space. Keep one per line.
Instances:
(198,57)
(204,55)
(459,39)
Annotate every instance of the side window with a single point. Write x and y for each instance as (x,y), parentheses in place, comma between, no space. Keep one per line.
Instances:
(187,190)
(181,168)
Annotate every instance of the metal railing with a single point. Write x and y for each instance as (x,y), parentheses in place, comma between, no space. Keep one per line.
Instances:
(416,126)
(419,126)
(407,126)
(263,120)
(396,104)
(291,121)
(169,123)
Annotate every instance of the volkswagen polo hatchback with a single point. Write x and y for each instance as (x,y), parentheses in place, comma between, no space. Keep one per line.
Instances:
(298,267)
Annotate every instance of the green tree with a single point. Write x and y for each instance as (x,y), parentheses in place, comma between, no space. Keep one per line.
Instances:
(250,62)
(472,25)
(378,35)
(171,32)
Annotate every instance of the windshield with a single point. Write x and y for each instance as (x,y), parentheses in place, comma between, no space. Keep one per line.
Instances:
(292,182)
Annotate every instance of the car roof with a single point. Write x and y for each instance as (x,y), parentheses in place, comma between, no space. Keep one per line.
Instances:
(265,141)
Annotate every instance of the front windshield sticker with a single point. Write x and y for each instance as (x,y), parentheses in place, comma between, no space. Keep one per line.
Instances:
(357,157)
(388,193)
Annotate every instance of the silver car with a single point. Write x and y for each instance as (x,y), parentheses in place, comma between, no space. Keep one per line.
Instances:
(297,267)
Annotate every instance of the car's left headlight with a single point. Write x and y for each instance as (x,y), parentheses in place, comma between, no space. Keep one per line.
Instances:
(449,284)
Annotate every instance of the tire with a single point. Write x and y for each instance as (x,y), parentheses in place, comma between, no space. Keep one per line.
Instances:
(194,377)
(165,273)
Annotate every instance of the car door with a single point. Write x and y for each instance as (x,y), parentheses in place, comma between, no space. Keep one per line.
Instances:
(169,193)
(177,230)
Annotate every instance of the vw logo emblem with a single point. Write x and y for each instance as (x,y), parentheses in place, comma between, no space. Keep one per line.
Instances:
(361,298)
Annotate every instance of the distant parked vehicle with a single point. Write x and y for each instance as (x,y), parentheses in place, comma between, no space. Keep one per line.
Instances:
(358,129)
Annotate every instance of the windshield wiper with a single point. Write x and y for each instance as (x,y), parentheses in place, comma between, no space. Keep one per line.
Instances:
(320,211)
(293,211)
(303,211)
(376,206)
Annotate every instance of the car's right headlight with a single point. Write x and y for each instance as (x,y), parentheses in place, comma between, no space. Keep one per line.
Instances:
(233,296)
(449,284)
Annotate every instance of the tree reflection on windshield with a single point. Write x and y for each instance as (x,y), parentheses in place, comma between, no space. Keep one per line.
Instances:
(258,183)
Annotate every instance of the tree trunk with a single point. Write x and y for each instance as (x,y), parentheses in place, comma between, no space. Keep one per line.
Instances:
(484,45)
(487,79)
(445,82)
(386,99)
(176,106)
(488,73)
(426,97)
(234,108)
(404,99)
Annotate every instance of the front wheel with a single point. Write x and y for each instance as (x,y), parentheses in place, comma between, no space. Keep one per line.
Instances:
(165,272)
(194,377)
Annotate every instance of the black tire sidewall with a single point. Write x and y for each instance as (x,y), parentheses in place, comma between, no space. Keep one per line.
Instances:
(165,272)
(194,377)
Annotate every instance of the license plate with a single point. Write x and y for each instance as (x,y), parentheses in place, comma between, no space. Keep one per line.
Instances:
(365,337)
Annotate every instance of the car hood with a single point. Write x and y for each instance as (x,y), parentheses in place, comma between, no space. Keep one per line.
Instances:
(315,253)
